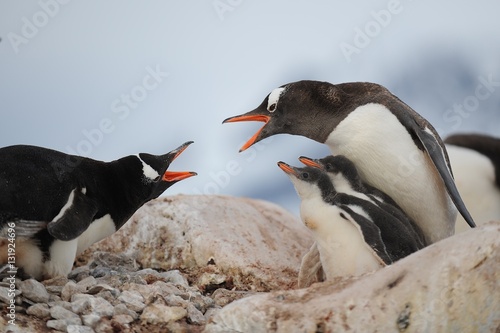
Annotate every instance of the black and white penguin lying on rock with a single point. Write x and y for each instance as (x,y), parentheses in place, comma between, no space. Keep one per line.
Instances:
(59,204)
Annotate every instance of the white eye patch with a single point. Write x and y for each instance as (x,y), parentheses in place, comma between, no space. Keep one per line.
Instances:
(273,98)
(150,173)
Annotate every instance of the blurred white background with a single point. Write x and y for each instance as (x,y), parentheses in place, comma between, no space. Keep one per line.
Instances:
(114,78)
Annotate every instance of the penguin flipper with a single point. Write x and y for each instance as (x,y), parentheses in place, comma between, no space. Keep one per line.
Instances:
(371,231)
(436,153)
(72,221)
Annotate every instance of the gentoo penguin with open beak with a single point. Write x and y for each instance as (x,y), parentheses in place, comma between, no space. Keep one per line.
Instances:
(60,204)
(476,164)
(349,243)
(394,148)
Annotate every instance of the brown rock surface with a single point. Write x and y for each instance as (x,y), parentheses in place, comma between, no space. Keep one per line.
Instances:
(451,286)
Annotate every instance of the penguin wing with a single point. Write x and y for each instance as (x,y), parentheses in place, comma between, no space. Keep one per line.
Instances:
(74,218)
(371,234)
(436,152)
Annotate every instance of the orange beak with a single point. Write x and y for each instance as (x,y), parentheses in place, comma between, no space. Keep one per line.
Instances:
(310,162)
(251,141)
(285,167)
(170,176)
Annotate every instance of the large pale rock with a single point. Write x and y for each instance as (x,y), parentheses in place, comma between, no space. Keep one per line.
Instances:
(250,244)
(451,286)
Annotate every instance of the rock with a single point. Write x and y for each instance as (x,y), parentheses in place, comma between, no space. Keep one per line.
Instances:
(222,297)
(59,325)
(133,300)
(63,318)
(86,304)
(39,310)
(79,273)
(194,316)
(209,281)
(58,312)
(102,287)
(54,290)
(56,281)
(211,312)
(162,314)
(118,262)
(122,319)
(64,304)
(90,320)
(175,300)
(34,290)
(175,277)
(87,282)
(311,269)
(450,286)
(256,243)
(121,309)
(70,289)
(153,291)
(79,329)
(6,294)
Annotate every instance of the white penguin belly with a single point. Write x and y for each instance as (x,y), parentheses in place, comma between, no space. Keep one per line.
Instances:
(97,230)
(342,248)
(386,157)
(62,256)
(475,179)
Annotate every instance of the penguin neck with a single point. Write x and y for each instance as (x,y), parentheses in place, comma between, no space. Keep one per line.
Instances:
(128,190)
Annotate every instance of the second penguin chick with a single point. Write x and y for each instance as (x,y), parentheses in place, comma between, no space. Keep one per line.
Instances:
(349,243)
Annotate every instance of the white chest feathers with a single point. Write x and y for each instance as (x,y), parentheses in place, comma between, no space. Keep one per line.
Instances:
(387,158)
(342,247)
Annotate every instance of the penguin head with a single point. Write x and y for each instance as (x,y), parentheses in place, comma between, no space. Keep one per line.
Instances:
(308,181)
(307,108)
(339,168)
(155,176)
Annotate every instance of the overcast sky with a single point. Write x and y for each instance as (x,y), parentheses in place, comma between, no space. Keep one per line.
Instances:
(109,79)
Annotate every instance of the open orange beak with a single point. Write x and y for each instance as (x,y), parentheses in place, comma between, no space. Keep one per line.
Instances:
(287,168)
(260,117)
(171,176)
(310,162)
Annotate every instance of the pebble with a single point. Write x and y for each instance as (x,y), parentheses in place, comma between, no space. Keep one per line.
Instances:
(162,314)
(79,329)
(87,282)
(86,304)
(70,289)
(40,310)
(133,300)
(111,294)
(194,315)
(34,291)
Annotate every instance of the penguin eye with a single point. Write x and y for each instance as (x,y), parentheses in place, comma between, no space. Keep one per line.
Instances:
(305,175)
(271,108)
(156,179)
